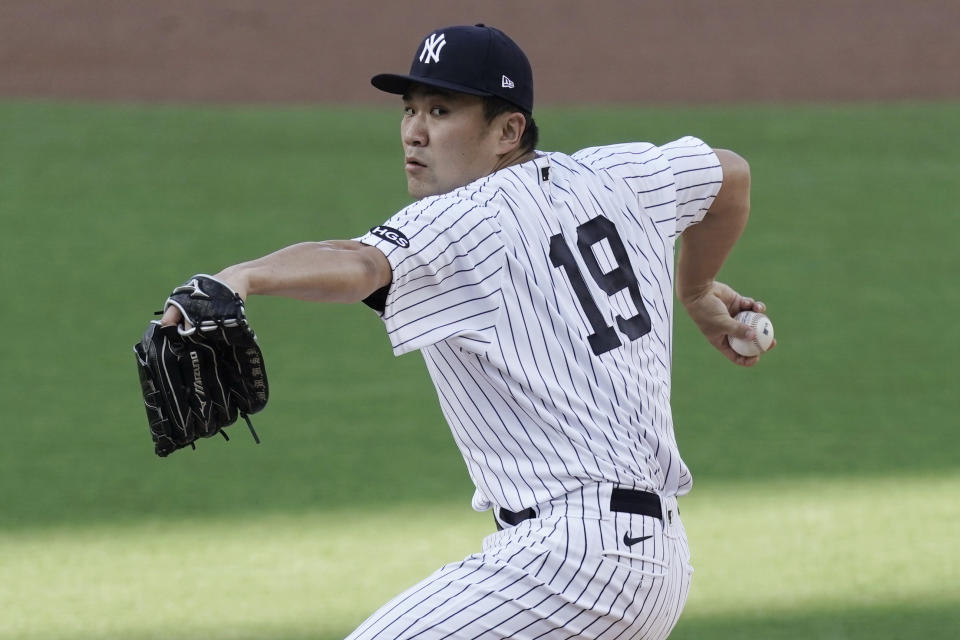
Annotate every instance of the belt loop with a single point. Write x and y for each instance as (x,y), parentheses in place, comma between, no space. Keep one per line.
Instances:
(671,512)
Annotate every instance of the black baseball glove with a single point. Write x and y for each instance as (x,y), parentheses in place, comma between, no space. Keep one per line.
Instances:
(197,377)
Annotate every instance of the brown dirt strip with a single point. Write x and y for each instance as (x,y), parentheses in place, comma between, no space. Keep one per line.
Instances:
(603,51)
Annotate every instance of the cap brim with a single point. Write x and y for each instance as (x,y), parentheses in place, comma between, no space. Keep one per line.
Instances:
(394,83)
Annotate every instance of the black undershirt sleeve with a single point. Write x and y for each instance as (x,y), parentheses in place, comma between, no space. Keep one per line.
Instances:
(378,299)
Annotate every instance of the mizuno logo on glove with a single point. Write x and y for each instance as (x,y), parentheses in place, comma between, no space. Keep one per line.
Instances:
(193,288)
(198,379)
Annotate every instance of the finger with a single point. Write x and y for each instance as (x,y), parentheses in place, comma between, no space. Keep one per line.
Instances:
(747,361)
(736,303)
(171,316)
(736,358)
(749,304)
(739,330)
(745,303)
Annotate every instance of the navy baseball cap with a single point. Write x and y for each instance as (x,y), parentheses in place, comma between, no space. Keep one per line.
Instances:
(478,60)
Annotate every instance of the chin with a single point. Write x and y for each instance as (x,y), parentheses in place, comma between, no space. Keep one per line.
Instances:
(419,191)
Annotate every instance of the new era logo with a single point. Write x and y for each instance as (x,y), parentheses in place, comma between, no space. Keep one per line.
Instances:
(432,47)
(506,82)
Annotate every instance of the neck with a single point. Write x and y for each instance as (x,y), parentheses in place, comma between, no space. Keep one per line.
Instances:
(514,157)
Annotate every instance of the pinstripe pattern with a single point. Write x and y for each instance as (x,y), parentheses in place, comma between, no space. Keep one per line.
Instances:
(538,411)
(558,576)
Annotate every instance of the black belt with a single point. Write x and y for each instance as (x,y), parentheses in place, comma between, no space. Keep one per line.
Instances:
(642,503)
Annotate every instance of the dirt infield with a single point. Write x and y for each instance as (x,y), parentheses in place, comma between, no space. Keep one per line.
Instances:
(601,51)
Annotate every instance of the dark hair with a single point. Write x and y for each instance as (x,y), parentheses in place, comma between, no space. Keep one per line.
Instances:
(494,106)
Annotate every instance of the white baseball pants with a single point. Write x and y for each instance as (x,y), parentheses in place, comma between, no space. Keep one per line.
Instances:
(567,573)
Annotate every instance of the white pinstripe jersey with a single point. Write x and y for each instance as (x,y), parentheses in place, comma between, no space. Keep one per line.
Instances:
(541,298)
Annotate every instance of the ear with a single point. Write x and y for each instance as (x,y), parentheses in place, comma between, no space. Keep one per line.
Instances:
(510,128)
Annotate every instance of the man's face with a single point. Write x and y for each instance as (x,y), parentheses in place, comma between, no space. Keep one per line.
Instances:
(447,142)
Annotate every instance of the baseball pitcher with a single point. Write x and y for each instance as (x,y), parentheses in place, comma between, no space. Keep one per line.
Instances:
(539,288)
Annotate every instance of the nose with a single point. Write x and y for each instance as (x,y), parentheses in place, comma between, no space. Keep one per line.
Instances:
(413,131)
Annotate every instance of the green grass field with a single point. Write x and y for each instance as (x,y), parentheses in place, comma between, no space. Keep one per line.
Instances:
(826,503)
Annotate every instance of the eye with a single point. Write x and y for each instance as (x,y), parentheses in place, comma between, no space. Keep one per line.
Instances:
(407,111)
(438,111)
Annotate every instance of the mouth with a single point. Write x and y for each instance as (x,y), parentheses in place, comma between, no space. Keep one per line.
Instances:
(412,164)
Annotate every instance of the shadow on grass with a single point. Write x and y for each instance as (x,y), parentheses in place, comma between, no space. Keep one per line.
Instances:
(905,622)
(886,623)
(892,623)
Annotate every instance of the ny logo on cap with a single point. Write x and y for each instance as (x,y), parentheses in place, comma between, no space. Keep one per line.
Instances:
(431,48)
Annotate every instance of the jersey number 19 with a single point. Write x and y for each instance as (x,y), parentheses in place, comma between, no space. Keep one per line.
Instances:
(604,337)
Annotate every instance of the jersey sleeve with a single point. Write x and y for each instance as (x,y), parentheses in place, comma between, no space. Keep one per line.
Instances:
(697,175)
(447,260)
(675,183)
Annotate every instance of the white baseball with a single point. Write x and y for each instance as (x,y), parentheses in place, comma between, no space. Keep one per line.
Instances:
(763,328)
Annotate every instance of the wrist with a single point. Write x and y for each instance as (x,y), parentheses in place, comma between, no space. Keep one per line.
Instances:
(238,278)
(689,293)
